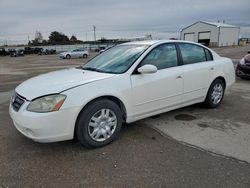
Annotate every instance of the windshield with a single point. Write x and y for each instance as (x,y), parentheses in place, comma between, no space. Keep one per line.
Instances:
(116,60)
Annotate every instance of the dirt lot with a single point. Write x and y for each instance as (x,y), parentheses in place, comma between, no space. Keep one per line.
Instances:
(141,157)
(235,52)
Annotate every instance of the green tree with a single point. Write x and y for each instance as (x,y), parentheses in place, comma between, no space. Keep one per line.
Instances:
(58,38)
(73,38)
(38,37)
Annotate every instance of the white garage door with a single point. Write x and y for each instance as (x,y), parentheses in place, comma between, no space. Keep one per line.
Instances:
(189,36)
(204,35)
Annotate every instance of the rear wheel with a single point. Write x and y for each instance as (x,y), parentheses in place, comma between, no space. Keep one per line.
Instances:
(99,123)
(85,55)
(215,94)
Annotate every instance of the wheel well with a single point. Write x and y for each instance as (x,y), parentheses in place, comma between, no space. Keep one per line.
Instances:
(222,79)
(111,98)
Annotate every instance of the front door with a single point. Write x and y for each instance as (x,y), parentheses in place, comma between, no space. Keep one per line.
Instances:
(160,91)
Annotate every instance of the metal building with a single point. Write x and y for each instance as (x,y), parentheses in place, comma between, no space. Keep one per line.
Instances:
(211,33)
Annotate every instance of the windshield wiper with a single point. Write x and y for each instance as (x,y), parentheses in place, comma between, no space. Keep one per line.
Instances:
(91,69)
(95,69)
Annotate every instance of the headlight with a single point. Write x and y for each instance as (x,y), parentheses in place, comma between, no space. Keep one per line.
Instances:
(242,61)
(47,103)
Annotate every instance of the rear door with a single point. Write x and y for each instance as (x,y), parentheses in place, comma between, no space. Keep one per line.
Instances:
(161,90)
(198,70)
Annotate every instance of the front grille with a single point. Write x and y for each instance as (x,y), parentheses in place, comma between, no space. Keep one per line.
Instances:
(17,102)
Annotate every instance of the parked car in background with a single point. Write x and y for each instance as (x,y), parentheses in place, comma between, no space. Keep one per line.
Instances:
(127,83)
(20,52)
(38,50)
(47,52)
(243,67)
(3,52)
(12,52)
(104,49)
(28,50)
(16,52)
(77,53)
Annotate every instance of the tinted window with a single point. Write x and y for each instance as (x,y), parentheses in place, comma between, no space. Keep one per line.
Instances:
(192,53)
(208,55)
(163,56)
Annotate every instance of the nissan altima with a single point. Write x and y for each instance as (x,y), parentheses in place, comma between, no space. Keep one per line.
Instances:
(124,84)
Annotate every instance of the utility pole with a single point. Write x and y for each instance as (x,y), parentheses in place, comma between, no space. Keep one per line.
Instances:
(5,42)
(94,33)
(28,38)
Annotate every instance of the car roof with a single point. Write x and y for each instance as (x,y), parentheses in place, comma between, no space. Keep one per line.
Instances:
(145,42)
(157,42)
(153,42)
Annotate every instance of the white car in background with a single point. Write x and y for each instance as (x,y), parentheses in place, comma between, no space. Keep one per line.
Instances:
(77,53)
(127,83)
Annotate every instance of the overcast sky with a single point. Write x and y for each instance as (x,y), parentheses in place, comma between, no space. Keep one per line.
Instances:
(115,18)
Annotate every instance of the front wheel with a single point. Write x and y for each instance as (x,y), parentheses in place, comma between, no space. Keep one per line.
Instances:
(215,94)
(85,56)
(99,123)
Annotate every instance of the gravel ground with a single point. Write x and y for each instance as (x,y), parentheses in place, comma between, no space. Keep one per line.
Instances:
(233,52)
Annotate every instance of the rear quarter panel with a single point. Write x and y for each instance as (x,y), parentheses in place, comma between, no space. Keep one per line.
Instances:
(224,67)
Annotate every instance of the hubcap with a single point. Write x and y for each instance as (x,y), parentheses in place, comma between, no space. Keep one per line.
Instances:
(217,93)
(102,125)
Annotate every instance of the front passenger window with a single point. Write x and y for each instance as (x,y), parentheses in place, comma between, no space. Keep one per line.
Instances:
(163,56)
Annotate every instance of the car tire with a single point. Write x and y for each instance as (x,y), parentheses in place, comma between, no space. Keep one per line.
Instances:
(215,94)
(85,56)
(99,123)
(68,56)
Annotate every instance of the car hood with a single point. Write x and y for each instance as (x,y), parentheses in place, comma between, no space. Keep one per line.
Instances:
(58,81)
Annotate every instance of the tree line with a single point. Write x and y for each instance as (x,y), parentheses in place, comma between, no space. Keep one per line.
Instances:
(55,37)
(59,38)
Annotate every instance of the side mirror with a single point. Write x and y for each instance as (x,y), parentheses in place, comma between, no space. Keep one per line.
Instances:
(147,69)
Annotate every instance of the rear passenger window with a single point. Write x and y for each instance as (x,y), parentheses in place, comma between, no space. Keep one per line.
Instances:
(163,56)
(192,53)
(208,55)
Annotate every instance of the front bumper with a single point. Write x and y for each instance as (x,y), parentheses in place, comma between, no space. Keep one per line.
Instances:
(243,71)
(62,56)
(45,127)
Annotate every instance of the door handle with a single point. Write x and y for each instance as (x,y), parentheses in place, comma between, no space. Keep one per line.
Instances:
(178,77)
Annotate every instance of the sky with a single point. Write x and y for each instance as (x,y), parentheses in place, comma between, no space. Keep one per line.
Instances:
(163,19)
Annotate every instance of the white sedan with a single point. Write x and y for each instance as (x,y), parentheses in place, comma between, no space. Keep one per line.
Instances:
(77,53)
(127,83)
